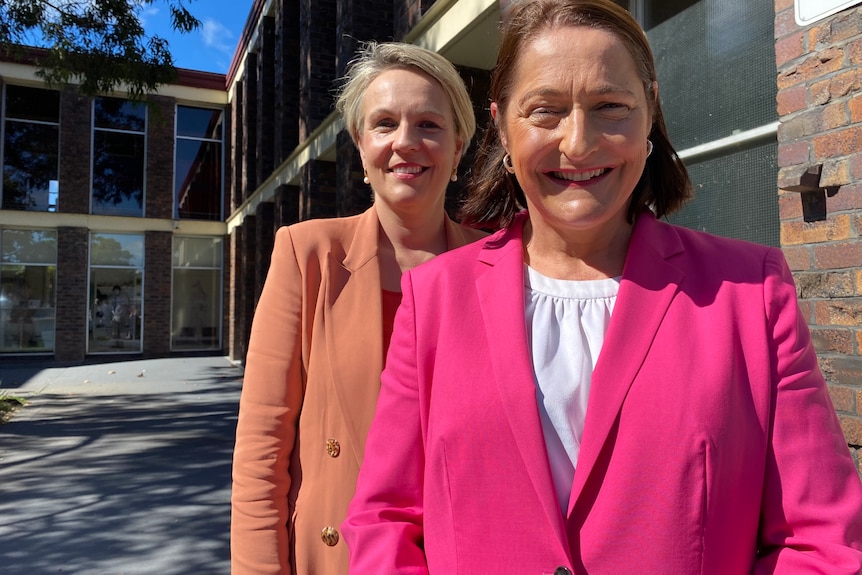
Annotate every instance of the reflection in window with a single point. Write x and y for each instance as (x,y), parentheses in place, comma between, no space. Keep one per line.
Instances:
(716,76)
(28,274)
(198,163)
(196,300)
(116,293)
(118,157)
(31,143)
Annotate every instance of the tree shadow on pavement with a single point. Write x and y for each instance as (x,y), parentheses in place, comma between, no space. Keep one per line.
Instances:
(119,484)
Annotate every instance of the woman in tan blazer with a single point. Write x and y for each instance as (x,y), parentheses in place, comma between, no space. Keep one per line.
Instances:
(323,322)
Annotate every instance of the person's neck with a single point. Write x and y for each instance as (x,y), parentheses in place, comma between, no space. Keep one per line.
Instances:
(577,256)
(407,240)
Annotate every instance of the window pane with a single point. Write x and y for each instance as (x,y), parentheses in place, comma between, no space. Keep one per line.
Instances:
(195,317)
(27,300)
(29,246)
(115,317)
(118,174)
(119,114)
(735,196)
(198,180)
(198,252)
(32,104)
(716,67)
(30,165)
(126,250)
(199,123)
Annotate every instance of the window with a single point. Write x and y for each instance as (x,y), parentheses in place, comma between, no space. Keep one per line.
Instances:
(196,301)
(716,71)
(31,143)
(198,164)
(119,128)
(116,290)
(28,271)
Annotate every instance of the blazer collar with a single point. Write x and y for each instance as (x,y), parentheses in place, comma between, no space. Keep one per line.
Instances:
(354,313)
(649,283)
(501,298)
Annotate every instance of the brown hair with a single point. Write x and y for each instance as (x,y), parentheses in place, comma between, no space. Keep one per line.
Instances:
(494,195)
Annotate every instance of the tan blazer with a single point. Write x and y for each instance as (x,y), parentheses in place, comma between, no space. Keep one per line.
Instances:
(311,381)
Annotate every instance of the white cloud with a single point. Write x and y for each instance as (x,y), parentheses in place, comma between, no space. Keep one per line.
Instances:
(148,13)
(217,36)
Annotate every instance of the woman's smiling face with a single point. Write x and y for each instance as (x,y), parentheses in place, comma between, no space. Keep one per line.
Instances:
(408,140)
(576,127)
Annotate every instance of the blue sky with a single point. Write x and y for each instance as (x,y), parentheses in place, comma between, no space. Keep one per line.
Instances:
(210,48)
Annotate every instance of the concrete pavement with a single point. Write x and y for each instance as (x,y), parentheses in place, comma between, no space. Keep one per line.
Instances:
(118,468)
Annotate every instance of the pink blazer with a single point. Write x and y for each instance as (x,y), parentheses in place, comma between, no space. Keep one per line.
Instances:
(710,444)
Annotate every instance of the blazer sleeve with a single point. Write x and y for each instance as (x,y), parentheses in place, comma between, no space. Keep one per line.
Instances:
(270,401)
(383,528)
(811,518)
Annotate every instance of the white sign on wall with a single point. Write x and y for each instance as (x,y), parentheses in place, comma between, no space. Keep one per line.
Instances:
(808,11)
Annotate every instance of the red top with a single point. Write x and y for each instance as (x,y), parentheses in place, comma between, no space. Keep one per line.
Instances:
(391,301)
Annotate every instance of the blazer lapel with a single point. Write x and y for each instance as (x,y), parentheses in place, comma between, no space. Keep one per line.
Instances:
(501,298)
(353,320)
(649,284)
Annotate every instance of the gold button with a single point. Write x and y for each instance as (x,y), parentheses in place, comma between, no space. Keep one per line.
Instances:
(329,536)
(333,448)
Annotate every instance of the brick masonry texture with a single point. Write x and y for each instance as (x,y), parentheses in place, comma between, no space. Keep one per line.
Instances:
(819,79)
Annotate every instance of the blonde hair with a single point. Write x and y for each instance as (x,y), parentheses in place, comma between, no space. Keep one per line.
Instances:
(375,58)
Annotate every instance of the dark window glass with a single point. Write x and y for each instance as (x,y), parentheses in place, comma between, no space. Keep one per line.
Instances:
(716,75)
(199,123)
(716,67)
(198,179)
(30,166)
(198,164)
(118,174)
(119,114)
(31,143)
(735,197)
(24,103)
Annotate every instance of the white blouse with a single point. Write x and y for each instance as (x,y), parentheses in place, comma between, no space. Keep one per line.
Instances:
(566,325)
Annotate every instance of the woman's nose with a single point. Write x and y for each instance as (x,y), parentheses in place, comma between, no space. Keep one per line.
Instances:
(578,138)
(406,138)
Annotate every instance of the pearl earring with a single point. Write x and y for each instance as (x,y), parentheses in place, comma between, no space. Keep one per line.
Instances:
(454,176)
(365,179)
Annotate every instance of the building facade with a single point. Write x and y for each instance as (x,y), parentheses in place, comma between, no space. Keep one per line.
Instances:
(176,204)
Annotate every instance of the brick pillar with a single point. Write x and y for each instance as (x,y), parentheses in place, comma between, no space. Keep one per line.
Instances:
(318,196)
(820,173)
(266,126)
(286,205)
(72,266)
(286,102)
(159,195)
(353,195)
(317,63)
(408,13)
(76,116)
(236,146)
(246,284)
(236,350)
(264,240)
(158,264)
(248,156)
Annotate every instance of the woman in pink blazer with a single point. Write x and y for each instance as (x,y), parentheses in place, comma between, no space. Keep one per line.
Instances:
(591,390)
(322,325)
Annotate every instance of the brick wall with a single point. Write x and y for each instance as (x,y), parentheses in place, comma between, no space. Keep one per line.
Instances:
(159,196)
(820,175)
(72,264)
(76,113)
(157,293)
